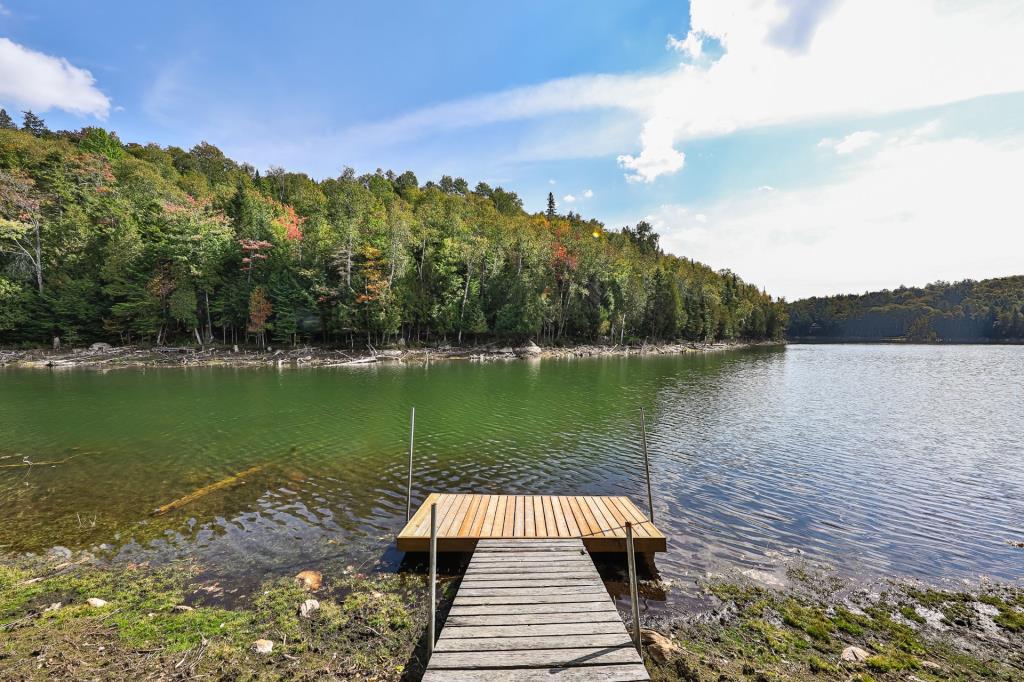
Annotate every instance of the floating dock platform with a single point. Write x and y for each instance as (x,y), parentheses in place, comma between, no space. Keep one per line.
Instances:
(463,520)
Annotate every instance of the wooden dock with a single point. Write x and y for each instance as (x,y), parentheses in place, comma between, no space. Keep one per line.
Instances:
(464,519)
(530,609)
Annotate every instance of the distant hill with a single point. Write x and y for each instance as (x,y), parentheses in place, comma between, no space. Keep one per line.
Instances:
(986,311)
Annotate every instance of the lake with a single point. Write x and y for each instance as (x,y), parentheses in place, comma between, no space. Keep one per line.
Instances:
(880,460)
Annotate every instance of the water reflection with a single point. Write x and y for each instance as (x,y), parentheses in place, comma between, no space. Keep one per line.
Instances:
(878,459)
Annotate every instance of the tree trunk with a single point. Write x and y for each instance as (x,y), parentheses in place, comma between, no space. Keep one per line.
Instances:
(39,259)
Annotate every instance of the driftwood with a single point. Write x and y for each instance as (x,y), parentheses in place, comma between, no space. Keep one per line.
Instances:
(206,490)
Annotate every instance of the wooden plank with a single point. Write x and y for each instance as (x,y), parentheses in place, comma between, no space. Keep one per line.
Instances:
(570,518)
(596,641)
(630,511)
(453,519)
(529,528)
(508,609)
(553,571)
(422,512)
(593,525)
(633,672)
(510,517)
(535,618)
(520,527)
(524,543)
(499,516)
(623,515)
(552,580)
(586,588)
(538,515)
(487,527)
(559,514)
(467,520)
(608,627)
(616,521)
(549,516)
(442,660)
(535,599)
(607,526)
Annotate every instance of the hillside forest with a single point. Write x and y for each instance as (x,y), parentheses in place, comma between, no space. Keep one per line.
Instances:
(128,243)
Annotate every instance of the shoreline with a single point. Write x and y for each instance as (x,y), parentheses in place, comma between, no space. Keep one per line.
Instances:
(104,357)
(71,616)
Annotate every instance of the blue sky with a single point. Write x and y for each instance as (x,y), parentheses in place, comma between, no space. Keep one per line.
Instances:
(813,146)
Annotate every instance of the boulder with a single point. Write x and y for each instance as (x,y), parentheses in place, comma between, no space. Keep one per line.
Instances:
(96,602)
(263,646)
(182,608)
(308,608)
(854,654)
(100,346)
(55,606)
(660,647)
(311,580)
(530,349)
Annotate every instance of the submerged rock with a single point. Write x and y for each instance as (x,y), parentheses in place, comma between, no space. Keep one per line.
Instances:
(263,646)
(660,647)
(854,654)
(311,580)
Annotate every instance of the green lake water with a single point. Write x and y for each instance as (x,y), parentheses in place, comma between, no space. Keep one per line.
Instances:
(879,460)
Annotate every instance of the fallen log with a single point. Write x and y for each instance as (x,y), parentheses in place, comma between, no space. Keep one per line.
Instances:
(206,490)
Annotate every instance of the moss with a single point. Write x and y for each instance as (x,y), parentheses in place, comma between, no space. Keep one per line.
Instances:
(901,636)
(808,619)
(779,641)
(819,665)
(910,614)
(894,661)
(849,622)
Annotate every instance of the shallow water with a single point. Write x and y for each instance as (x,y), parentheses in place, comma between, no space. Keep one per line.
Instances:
(878,460)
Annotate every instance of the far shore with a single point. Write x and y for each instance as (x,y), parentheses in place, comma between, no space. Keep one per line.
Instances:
(106,357)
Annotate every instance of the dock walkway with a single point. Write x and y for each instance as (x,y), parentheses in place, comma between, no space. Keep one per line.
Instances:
(532,609)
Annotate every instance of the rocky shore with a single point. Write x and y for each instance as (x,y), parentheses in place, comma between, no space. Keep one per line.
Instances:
(66,616)
(102,356)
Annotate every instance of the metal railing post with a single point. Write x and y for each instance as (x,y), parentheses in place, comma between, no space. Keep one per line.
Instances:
(408,492)
(433,578)
(647,466)
(633,591)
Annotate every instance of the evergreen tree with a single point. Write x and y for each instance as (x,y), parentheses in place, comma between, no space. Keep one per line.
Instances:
(6,122)
(34,124)
(551,206)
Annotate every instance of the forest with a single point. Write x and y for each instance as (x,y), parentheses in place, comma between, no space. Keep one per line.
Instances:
(989,310)
(140,244)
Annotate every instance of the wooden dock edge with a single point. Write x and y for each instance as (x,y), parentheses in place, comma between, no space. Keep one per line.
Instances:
(592,545)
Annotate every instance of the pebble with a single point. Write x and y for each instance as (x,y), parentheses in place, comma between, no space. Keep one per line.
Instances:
(96,602)
(263,646)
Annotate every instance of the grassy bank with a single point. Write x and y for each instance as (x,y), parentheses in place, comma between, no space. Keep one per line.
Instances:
(160,623)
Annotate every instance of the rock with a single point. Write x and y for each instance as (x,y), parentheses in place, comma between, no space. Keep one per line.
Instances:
(390,353)
(60,552)
(100,346)
(530,349)
(263,646)
(854,654)
(96,602)
(53,607)
(311,580)
(932,667)
(308,608)
(507,350)
(181,608)
(660,647)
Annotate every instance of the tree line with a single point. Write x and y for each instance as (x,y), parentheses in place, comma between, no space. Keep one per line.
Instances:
(106,241)
(989,310)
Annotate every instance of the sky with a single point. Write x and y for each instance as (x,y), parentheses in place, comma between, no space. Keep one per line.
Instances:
(813,147)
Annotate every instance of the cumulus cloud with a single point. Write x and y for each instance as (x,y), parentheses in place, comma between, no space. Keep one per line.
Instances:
(852,142)
(40,82)
(776,62)
(898,216)
(588,193)
(568,198)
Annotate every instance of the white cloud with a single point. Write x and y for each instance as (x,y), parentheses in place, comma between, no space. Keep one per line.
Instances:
(40,82)
(908,213)
(551,182)
(700,218)
(4,11)
(568,198)
(782,62)
(852,142)
(588,193)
